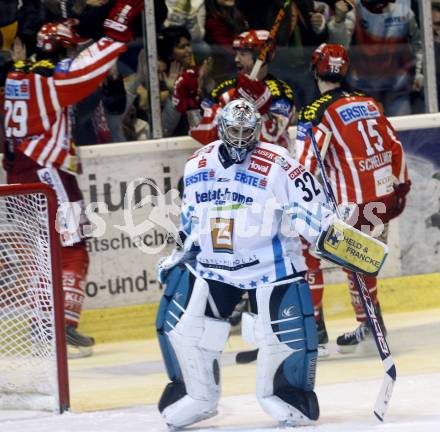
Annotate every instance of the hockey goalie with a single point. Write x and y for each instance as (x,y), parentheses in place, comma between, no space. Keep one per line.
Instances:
(245,205)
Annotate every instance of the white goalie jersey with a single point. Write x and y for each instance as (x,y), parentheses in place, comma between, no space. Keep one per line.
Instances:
(247,218)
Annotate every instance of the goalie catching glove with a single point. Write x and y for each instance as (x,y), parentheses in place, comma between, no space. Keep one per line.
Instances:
(351,248)
(179,256)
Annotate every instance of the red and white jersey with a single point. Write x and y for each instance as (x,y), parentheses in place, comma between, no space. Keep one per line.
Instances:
(364,158)
(275,122)
(37,97)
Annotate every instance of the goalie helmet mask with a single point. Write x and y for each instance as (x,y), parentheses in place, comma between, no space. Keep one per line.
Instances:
(330,62)
(239,128)
(55,36)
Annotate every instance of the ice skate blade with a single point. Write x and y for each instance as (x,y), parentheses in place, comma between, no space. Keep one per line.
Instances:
(75,352)
(365,347)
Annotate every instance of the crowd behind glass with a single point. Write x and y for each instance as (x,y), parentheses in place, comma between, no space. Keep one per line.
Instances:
(198,34)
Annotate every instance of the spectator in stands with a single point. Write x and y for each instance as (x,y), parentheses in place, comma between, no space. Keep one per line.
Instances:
(302,30)
(386,50)
(192,15)
(187,13)
(175,56)
(436,28)
(175,51)
(224,22)
(272,97)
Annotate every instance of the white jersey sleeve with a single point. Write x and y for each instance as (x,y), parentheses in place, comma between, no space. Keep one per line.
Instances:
(303,203)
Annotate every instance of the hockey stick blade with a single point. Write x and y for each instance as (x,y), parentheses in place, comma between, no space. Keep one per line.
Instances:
(386,391)
(389,379)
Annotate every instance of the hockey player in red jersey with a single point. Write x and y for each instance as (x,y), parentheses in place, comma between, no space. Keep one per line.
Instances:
(365,164)
(38,96)
(272,97)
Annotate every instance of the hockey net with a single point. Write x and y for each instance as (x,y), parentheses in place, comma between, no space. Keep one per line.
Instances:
(33,364)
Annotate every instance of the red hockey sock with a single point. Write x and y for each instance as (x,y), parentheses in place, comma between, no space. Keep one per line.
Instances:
(371,283)
(75,263)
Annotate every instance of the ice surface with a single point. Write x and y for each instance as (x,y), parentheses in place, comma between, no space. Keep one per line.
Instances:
(415,406)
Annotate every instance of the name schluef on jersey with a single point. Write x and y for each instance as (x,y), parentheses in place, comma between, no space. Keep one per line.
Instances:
(236,214)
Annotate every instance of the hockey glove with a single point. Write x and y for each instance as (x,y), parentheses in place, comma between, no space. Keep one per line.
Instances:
(255,91)
(186,91)
(166,264)
(118,22)
(400,192)
(349,247)
(180,256)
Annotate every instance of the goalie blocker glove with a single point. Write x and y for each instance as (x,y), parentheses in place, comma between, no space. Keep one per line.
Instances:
(118,22)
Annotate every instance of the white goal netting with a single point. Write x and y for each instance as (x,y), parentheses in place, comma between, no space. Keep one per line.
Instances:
(29,368)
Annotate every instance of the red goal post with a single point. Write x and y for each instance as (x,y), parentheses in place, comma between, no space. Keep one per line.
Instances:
(33,359)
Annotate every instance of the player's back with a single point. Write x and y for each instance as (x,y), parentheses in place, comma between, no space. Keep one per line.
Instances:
(364,153)
(30,100)
(36,123)
(363,145)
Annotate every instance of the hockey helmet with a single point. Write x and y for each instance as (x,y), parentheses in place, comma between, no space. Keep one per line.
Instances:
(330,62)
(239,128)
(63,34)
(253,40)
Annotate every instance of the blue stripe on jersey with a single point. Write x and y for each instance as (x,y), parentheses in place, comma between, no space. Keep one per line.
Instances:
(185,220)
(280,268)
(300,212)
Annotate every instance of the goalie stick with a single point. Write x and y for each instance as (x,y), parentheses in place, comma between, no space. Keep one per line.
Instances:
(272,35)
(389,379)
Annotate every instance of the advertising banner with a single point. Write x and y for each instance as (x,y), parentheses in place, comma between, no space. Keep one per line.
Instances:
(419,225)
(132,189)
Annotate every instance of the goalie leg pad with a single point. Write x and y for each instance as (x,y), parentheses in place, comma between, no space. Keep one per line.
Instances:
(287,341)
(197,342)
(174,300)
